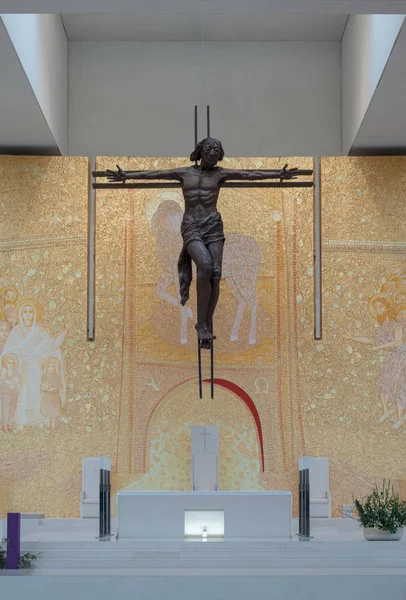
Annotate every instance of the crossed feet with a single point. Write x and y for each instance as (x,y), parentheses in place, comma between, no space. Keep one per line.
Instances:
(204,336)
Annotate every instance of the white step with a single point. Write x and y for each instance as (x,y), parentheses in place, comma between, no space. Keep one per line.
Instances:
(171,563)
(317,548)
(123,553)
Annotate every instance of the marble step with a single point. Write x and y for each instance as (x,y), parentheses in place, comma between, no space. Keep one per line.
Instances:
(361,547)
(365,573)
(157,553)
(317,525)
(275,563)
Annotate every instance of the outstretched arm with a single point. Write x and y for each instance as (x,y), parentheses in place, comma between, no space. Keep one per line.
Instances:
(257,174)
(398,341)
(120,175)
(361,339)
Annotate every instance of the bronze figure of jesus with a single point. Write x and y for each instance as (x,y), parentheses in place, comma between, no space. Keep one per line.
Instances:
(202,225)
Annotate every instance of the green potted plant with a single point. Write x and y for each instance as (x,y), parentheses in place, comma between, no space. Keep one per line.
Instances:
(382,514)
(26,560)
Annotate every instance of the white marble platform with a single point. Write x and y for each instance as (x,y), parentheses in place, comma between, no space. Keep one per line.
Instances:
(337,563)
(70,545)
(206,586)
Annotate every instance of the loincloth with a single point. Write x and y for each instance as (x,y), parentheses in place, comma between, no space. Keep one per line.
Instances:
(206,230)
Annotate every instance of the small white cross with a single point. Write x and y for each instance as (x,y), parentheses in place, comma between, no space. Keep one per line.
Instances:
(206,433)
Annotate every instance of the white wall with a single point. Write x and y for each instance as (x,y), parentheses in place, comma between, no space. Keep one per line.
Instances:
(23,128)
(42,48)
(269,98)
(366,46)
(383,129)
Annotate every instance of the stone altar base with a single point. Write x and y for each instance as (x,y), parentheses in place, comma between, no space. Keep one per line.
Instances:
(246,515)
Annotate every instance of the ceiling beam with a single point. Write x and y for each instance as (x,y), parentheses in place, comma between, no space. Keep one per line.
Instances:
(366,47)
(205,6)
(23,127)
(383,128)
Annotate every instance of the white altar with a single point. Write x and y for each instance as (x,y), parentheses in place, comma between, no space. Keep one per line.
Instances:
(169,515)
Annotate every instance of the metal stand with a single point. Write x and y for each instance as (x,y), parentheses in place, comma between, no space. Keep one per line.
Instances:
(199,357)
(211,324)
(105,501)
(304,505)
(108,504)
(212,369)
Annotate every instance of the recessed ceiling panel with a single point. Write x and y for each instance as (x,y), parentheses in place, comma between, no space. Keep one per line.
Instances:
(216,27)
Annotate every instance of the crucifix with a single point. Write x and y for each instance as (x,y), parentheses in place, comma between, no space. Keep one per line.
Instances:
(202,226)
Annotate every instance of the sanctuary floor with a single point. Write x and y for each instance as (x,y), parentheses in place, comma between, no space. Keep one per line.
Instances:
(336,563)
(86,530)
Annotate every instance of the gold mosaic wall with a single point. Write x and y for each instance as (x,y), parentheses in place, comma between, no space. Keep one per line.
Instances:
(133,395)
(43,289)
(364,255)
(257,402)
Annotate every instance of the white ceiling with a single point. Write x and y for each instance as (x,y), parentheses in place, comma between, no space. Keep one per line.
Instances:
(215,27)
(340,7)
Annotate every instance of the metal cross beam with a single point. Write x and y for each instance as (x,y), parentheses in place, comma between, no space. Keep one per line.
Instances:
(228,184)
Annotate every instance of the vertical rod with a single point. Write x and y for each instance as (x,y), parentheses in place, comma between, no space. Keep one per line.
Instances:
(199,349)
(104,503)
(212,369)
(317,252)
(303,503)
(199,356)
(13,540)
(307,503)
(208,120)
(211,364)
(101,505)
(196,129)
(108,504)
(300,503)
(91,254)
